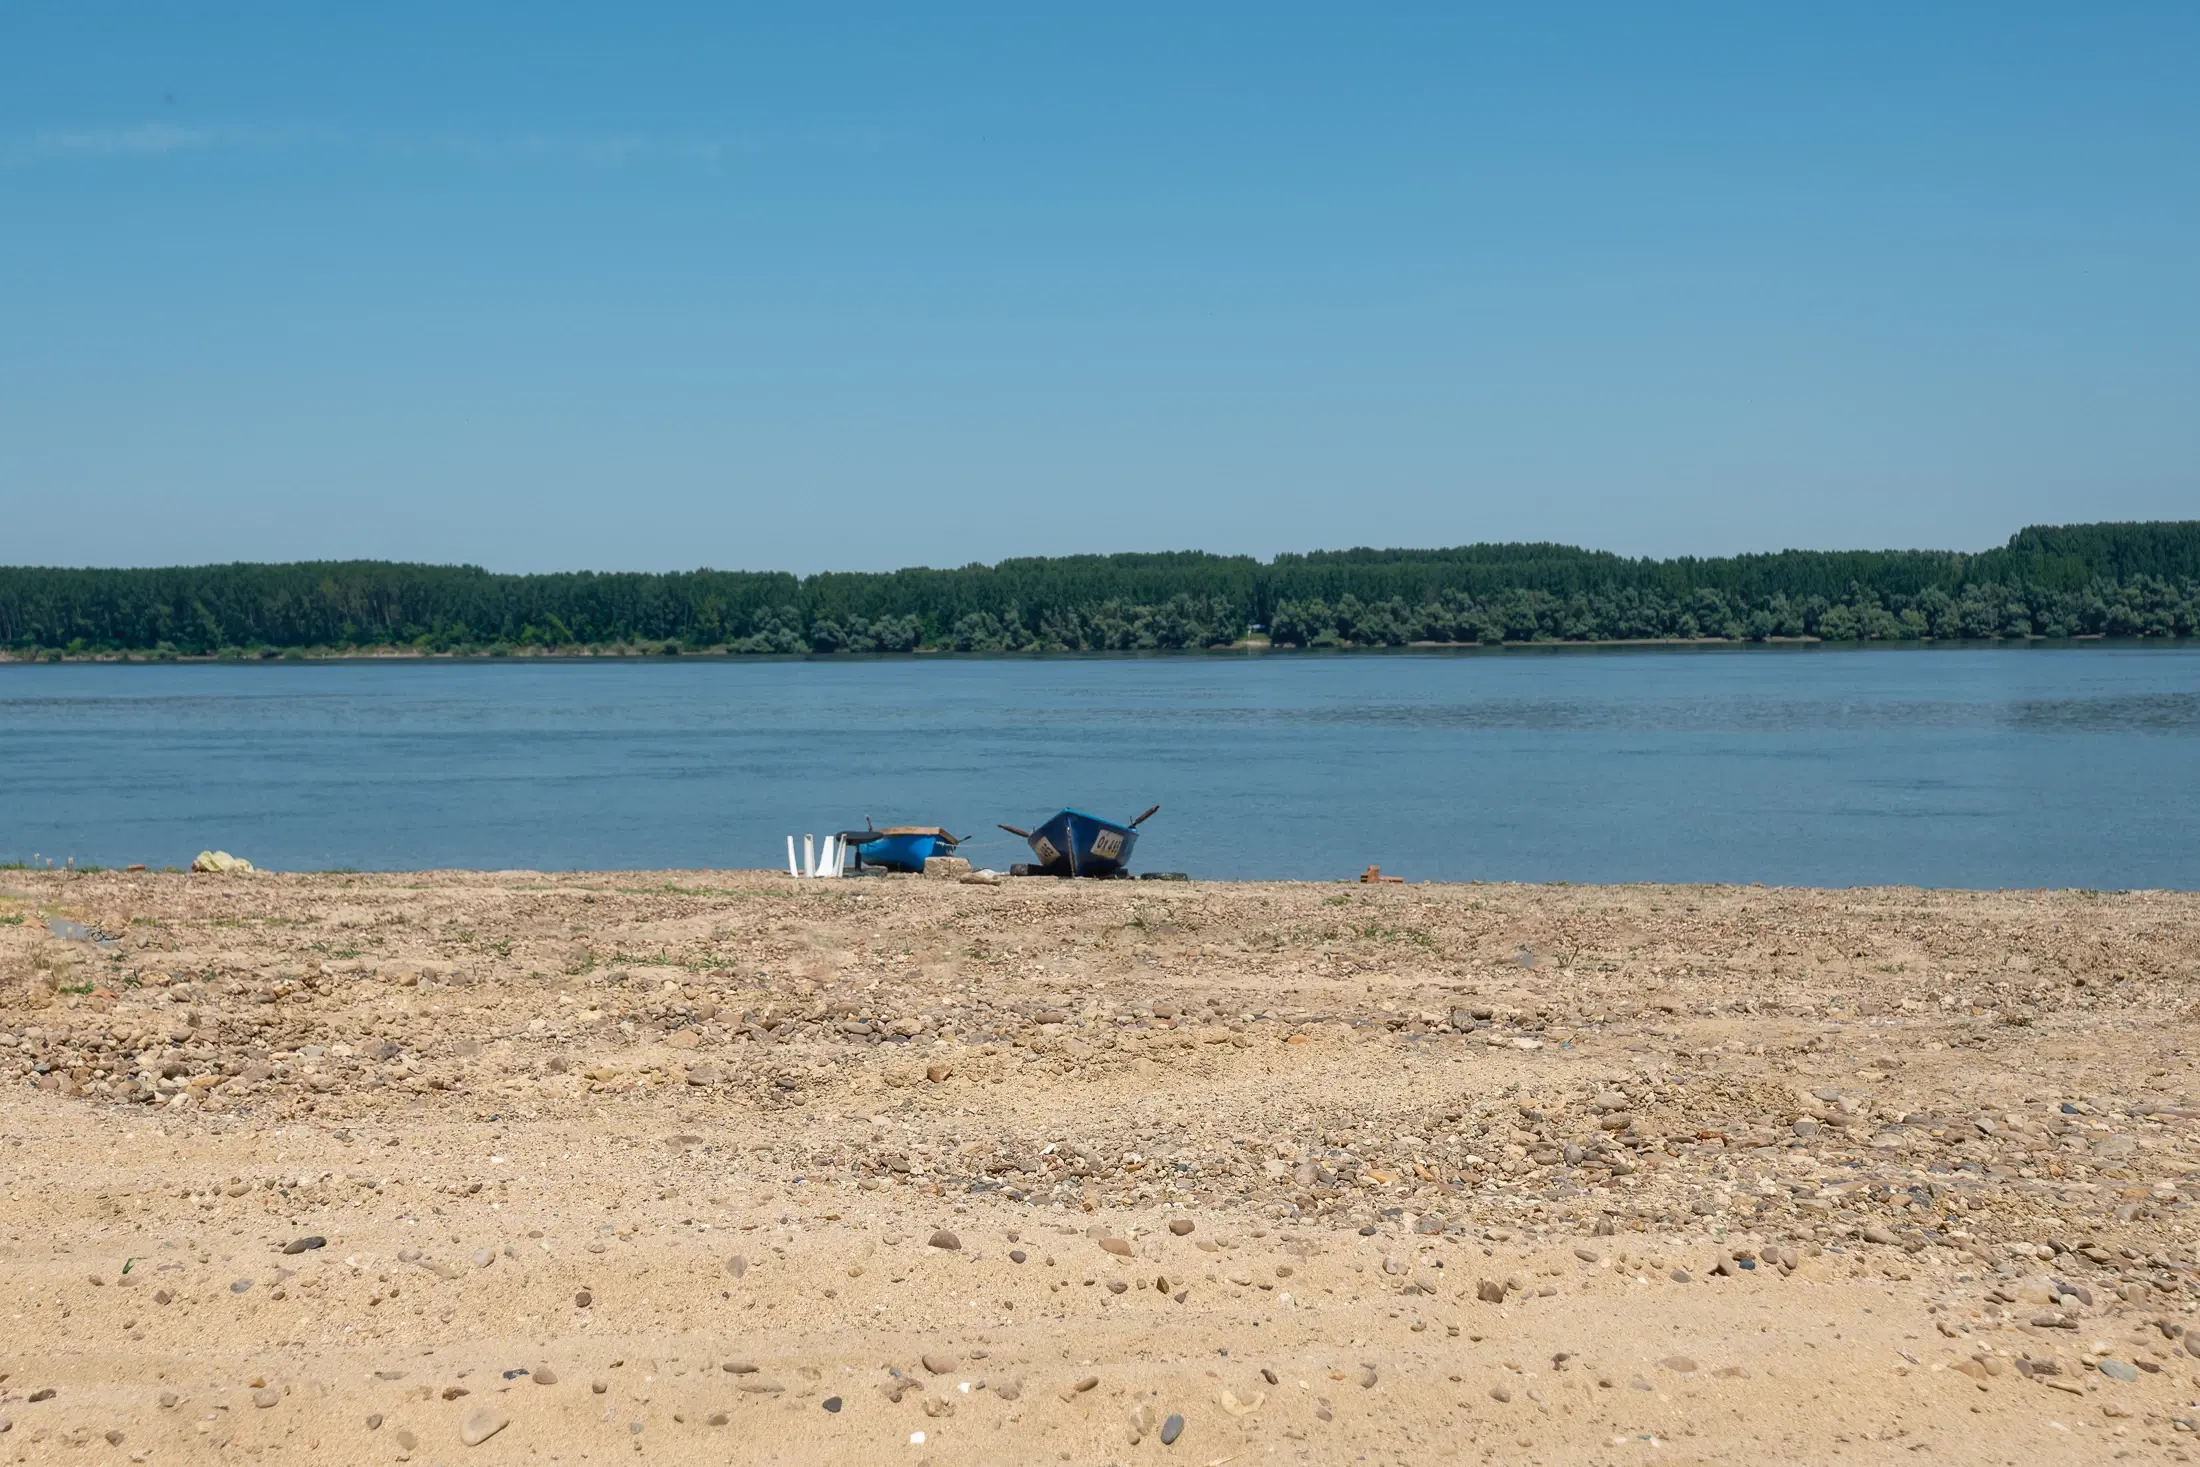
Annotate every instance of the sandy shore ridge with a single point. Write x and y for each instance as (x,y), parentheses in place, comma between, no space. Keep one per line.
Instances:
(720,1166)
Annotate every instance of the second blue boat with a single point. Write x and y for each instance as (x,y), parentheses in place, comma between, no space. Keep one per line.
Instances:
(1074,843)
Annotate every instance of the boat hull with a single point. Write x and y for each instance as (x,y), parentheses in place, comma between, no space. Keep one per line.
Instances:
(906,850)
(1074,843)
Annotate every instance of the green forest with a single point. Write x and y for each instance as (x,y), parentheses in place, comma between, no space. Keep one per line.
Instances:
(2099,580)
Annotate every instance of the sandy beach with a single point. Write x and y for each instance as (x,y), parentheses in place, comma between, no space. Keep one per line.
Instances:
(721,1166)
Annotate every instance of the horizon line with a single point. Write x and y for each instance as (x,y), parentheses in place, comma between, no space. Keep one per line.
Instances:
(1257,561)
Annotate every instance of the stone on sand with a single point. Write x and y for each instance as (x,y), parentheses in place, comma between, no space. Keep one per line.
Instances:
(480,1424)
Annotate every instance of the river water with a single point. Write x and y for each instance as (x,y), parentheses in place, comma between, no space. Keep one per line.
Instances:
(1976,767)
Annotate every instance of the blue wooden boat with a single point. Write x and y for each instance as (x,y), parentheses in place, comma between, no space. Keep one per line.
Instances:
(1074,843)
(899,847)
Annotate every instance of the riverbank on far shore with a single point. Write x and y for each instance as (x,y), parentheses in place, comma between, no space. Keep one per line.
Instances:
(703,1162)
(615,651)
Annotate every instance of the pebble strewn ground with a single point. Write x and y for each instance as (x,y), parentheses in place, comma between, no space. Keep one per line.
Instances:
(696,1166)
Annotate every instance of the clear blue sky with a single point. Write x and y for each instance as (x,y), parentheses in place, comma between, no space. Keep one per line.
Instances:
(639,286)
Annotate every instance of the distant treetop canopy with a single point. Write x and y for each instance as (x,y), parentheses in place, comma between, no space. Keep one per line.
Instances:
(2132,580)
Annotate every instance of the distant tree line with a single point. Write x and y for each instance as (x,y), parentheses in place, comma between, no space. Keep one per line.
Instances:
(2118,580)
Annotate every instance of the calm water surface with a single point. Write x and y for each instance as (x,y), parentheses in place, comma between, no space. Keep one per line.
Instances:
(1945,767)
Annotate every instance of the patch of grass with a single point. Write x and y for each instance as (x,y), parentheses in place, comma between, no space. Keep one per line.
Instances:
(13,920)
(670,889)
(1377,932)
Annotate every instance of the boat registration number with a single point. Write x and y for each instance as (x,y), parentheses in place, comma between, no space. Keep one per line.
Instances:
(1108,844)
(1044,850)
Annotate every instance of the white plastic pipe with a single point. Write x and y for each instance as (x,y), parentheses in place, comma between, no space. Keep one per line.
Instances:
(832,856)
(809,854)
(792,868)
